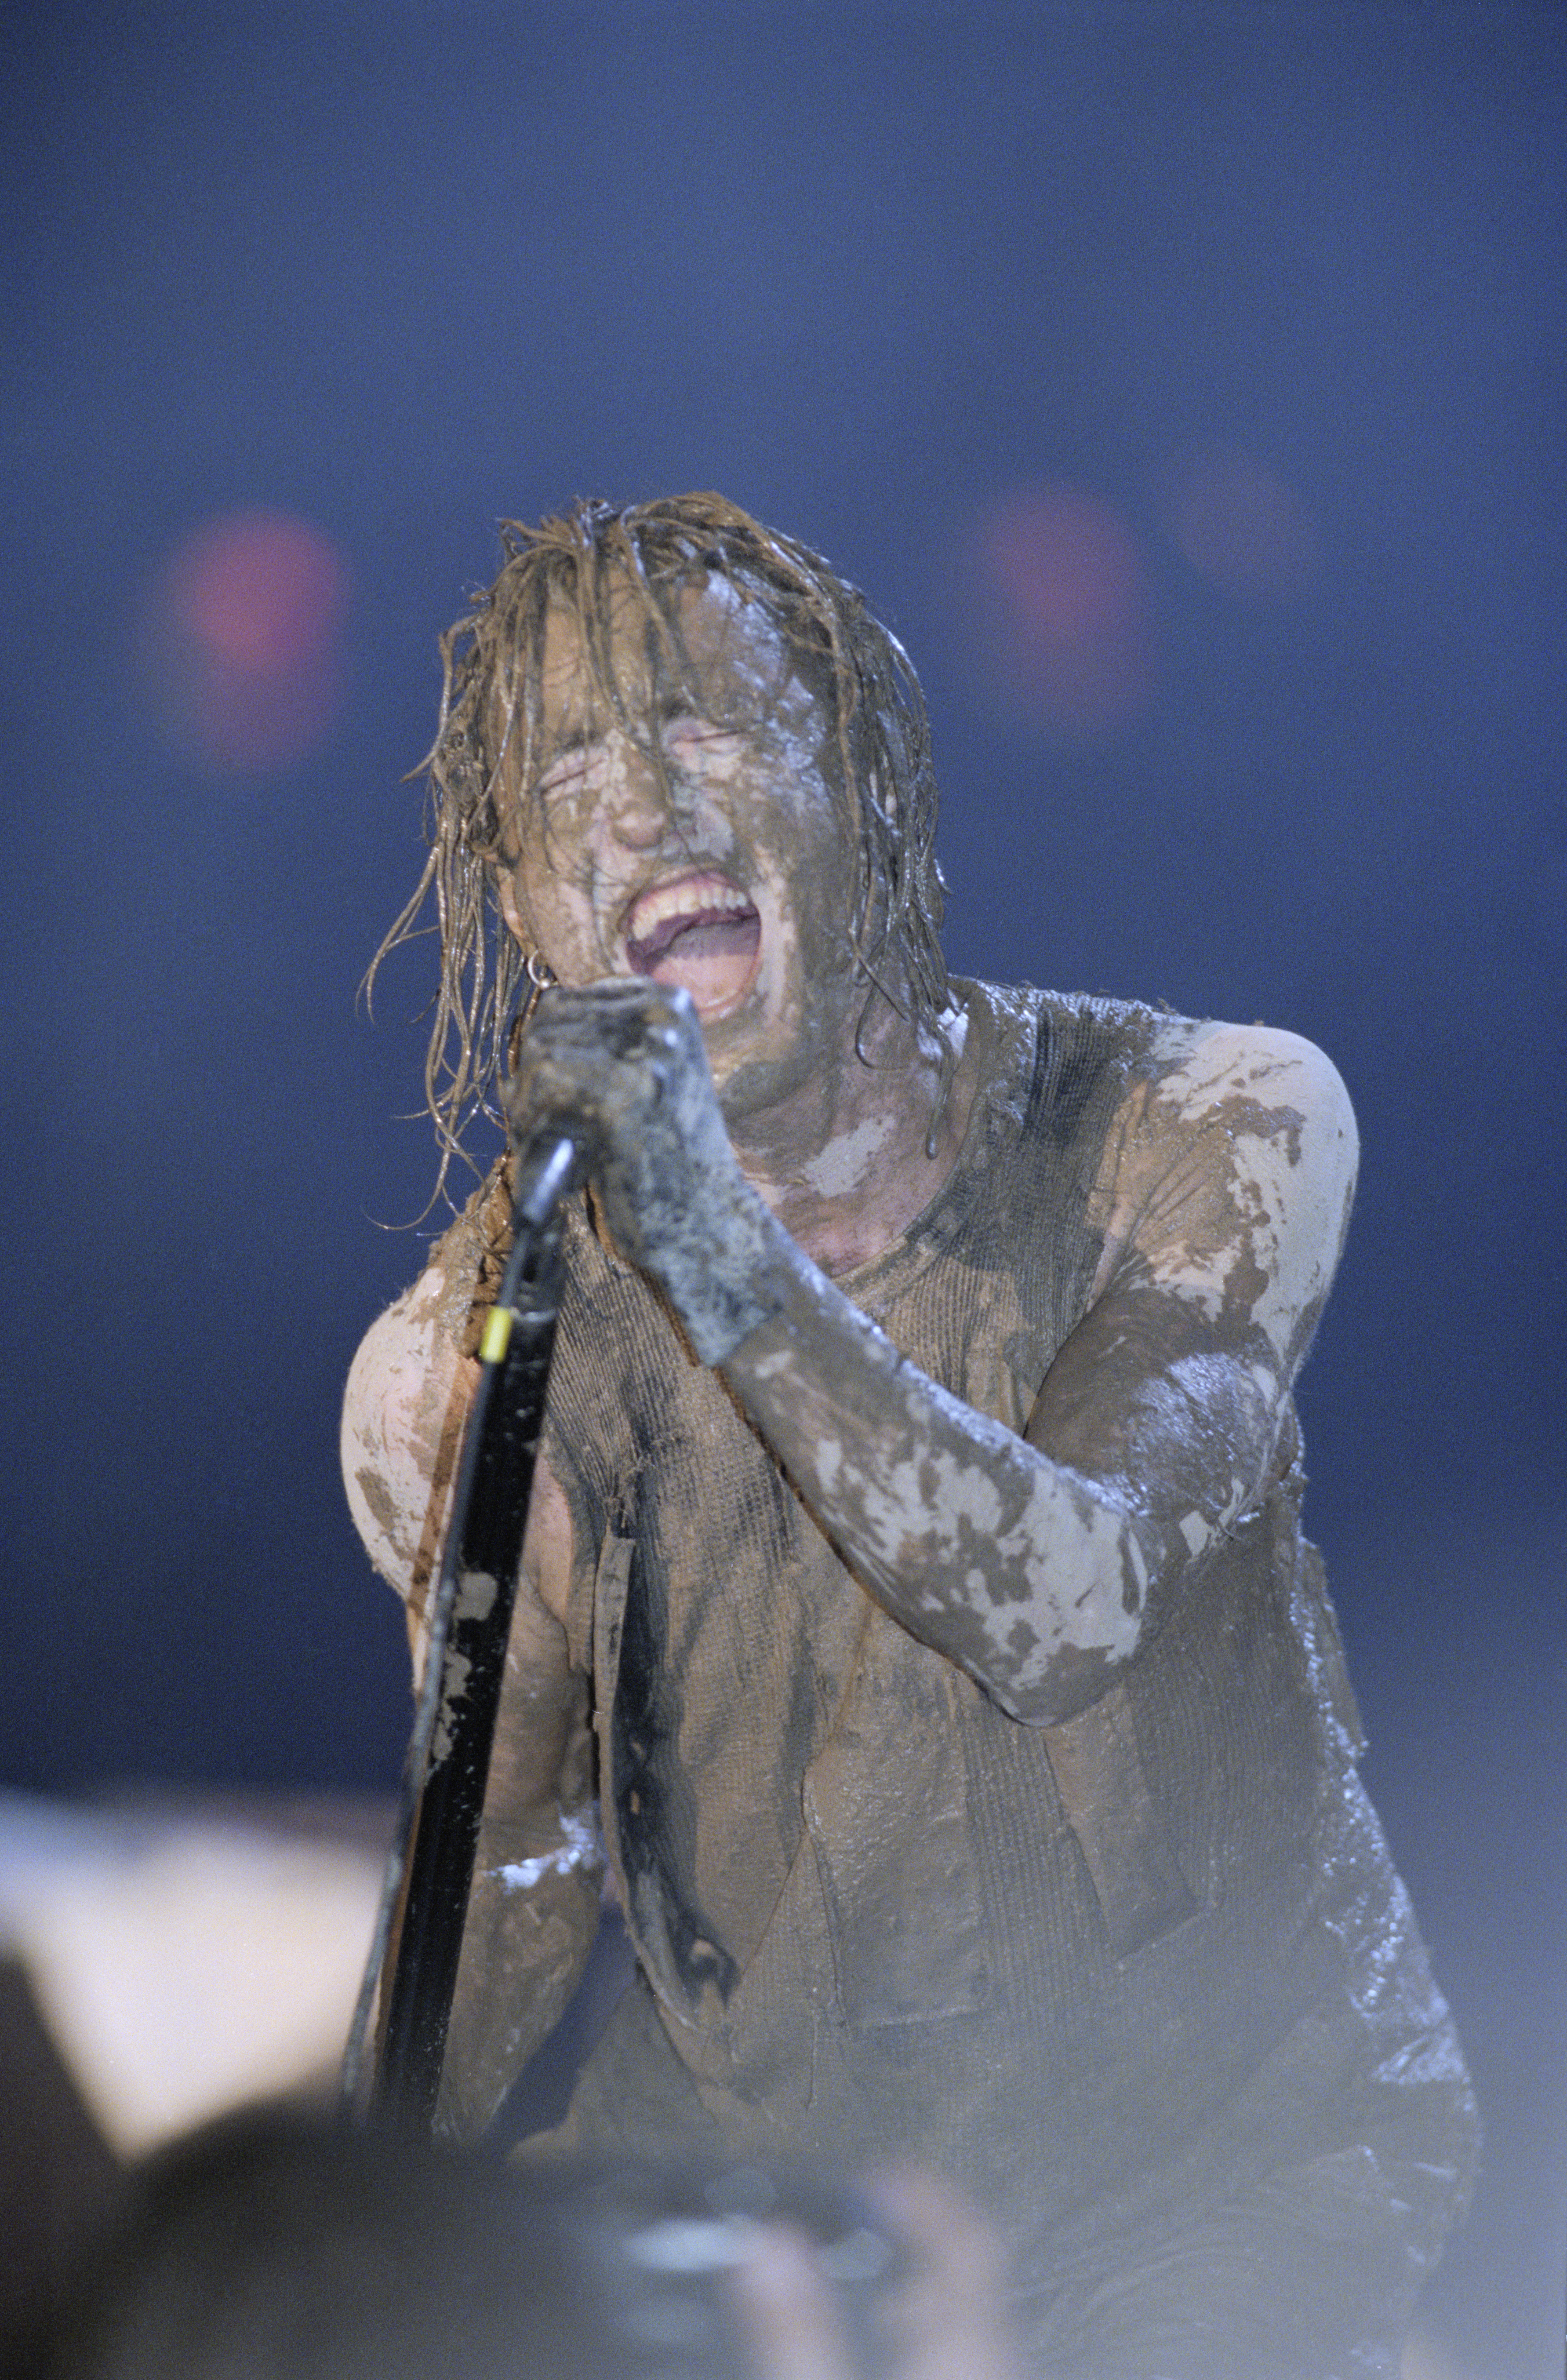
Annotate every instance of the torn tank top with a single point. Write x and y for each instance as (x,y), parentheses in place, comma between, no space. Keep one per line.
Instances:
(875,1913)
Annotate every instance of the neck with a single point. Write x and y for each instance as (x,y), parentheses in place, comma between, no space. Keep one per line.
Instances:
(844,1163)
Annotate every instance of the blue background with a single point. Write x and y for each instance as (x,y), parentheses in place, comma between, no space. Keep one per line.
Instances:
(865,268)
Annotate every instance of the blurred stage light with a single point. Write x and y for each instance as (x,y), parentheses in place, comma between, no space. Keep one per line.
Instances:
(1240,524)
(241,640)
(1064,608)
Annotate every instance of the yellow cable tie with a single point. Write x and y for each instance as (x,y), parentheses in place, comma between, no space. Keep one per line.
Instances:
(497,1334)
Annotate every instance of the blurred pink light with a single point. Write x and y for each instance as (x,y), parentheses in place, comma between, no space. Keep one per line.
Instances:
(1067,598)
(1240,524)
(243,630)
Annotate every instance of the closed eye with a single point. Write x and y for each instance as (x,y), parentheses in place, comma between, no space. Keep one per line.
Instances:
(568,775)
(685,736)
(579,767)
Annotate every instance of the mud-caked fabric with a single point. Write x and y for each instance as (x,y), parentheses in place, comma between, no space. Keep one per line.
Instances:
(1144,1983)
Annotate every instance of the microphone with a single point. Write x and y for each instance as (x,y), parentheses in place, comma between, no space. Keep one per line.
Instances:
(549,1164)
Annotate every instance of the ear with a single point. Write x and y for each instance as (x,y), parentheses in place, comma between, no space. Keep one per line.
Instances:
(505,895)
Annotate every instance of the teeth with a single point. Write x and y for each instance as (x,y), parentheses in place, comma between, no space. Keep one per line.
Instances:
(686,899)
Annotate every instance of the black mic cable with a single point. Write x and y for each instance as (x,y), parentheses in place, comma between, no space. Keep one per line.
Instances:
(418,1937)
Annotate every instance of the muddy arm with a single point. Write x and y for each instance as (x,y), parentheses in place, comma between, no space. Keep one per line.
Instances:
(1040,1563)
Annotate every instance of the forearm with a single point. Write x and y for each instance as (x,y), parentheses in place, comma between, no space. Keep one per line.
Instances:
(1030,1575)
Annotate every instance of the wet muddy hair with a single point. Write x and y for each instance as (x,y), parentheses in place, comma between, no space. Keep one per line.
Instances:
(489,751)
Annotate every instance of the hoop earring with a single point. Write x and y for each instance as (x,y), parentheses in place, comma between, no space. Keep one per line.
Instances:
(540,976)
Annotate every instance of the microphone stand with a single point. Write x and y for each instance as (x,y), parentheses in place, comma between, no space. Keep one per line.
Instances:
(418,1932)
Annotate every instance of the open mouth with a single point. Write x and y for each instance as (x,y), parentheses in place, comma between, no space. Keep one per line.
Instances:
(700,932)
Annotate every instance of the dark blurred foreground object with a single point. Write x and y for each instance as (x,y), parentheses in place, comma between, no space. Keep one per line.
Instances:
(58,2177)
(269,2245)
(273,2248)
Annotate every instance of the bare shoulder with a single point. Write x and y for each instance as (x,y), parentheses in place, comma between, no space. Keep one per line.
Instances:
(1229,1172)
(407,1393)
(1254,1079)
(404,1410)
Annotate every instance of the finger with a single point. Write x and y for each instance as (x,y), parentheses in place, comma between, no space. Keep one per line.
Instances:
(939,2221)
(616,1019)
(785,2310)
(612,994)
(950,2317)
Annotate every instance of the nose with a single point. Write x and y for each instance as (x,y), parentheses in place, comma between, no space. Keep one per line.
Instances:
(637,808)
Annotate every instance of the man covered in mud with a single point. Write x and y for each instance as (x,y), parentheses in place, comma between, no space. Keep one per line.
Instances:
(914,1588)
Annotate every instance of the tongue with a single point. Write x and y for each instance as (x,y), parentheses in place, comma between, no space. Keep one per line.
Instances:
(713,957)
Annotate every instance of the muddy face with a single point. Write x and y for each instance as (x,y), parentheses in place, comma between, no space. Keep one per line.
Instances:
(718,858)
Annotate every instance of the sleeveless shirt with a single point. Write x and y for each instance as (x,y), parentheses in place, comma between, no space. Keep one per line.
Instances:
(1090,1970)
